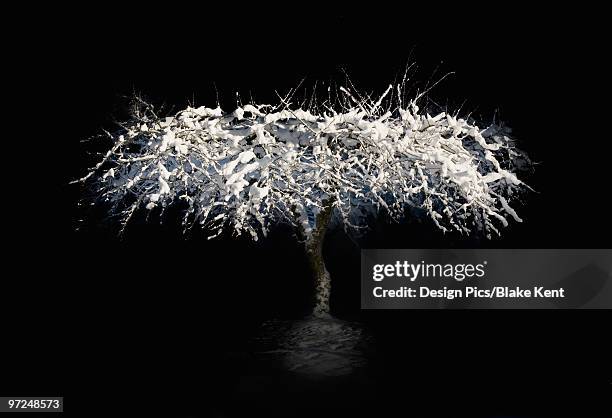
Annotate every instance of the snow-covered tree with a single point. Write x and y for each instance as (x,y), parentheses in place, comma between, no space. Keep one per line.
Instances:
(245,171)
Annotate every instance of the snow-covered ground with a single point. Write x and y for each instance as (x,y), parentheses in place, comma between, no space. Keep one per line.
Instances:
(315,347)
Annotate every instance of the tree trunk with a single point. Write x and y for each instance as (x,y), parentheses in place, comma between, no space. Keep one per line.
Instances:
(314,250)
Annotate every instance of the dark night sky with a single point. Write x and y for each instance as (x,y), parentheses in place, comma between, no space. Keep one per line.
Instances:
(132,321)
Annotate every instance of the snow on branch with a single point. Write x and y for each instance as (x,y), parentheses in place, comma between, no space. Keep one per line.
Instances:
(257,166)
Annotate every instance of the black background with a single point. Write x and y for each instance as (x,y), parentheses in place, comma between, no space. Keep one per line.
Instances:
(150,318)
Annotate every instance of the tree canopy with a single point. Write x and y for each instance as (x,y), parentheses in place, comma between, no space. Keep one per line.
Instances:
(258,165)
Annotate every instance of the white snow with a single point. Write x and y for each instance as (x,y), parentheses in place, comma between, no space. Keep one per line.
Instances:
(284,165)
